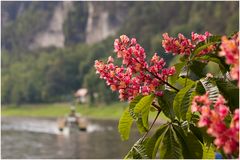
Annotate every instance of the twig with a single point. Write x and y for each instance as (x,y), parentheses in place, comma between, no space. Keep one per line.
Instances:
(156,106)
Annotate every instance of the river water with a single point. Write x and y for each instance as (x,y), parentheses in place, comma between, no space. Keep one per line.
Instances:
(39,138)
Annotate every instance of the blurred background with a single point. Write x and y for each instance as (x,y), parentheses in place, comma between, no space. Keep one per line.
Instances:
(48,51)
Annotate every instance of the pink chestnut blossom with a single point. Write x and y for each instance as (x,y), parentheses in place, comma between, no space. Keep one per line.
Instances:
(230,50)
(226,138)
(135,76)
(184,46)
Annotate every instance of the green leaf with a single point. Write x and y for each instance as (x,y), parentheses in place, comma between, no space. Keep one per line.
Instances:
(153,143)
(140,125)
(166,103)
(170,146)
(178,67)
(191,146)
(203,45)
(216,59)
(133,104)
(144,104)
(197,68)
(197,132)
(189,111)
(145,118)
(211,88)
(208,140)
(208,152)
(229,91)
(185,81)
(182,101)
(201,134)
(138,151)
(199,88)
(142,122)
(124,125)
(183,58)
(194,146)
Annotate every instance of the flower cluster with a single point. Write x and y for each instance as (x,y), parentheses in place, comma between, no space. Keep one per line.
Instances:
(230,50)
(225,137)
(135,76)
(184,46)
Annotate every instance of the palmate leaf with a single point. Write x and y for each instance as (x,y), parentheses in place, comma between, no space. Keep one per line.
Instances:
(201,134)
(138,118)
(124,125)
(216,59)
(211,88)
(153,143)
(197,132)
(184,81)
(188,114)
(191,146)
(178,68)
(187,102)
(199,88)
(196,69)
(182,101)
(229,91)
(145,115)
(140,125)
(194,147)
(133,104)
(138,151)
(144,104)
(208,152)
(141,110)
(166,103)
(170,146)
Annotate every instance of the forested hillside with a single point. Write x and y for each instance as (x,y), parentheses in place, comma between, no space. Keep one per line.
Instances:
(48,48)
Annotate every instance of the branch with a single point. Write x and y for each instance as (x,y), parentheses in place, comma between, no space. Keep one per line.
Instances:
(156,106)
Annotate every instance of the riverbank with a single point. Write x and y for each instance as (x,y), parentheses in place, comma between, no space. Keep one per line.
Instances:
(112,111)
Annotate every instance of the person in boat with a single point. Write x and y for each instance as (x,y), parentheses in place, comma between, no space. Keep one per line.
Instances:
(73,119)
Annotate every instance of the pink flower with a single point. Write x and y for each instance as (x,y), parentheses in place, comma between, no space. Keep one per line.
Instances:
(203,121)
(124,39)
(159,93)
(226,138)
(194,107)
(133,41)
(230,50)
(220,141)
(209,75)
(145,90)
(230,146)
(184,46)
(110,59)
(135,76)
(180,45)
